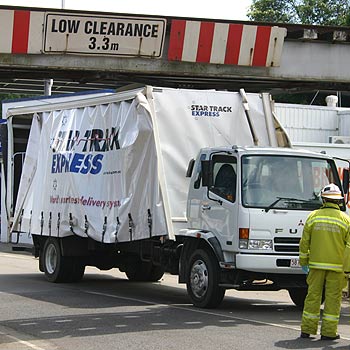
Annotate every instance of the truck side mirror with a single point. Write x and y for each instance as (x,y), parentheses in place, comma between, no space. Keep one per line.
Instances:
(190,168)
(207,173)
(346,181)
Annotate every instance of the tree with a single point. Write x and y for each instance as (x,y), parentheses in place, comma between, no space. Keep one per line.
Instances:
(321,12)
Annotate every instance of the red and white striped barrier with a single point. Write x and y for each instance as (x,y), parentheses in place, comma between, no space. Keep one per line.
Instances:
(225,43)
(21,32)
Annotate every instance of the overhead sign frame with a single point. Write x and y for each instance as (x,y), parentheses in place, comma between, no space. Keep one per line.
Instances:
(127,36)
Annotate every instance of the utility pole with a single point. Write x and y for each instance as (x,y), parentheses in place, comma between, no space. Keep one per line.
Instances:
(47,86)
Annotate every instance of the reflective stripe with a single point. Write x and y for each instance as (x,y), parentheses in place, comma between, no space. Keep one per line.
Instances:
(347,244)
(311,316)
(329,220)
(326,266)
(329,317)
(303,255)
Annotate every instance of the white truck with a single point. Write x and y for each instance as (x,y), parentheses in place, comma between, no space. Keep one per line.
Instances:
(161,180)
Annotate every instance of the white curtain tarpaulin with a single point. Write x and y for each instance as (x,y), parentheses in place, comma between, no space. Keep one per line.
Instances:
(94,174)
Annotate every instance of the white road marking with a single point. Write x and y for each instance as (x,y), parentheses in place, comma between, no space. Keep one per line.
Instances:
(193,322)
(63,321)
(28,324)
(49,332)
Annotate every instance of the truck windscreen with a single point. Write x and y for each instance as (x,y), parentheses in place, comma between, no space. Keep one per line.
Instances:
(285,182)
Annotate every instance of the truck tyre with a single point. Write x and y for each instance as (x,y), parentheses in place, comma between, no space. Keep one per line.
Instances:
(203,280)
(77,271)
(156,274)
(298,296)
(57,268)
(41,261)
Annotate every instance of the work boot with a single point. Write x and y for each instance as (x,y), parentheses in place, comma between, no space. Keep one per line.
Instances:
(324,337)
(304,335)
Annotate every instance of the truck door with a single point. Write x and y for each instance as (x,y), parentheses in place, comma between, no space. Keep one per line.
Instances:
(218,207)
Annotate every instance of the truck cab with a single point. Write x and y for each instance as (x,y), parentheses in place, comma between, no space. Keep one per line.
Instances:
(250,205)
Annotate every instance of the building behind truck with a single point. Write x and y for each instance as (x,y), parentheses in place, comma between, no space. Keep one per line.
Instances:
(155,180)
(317,128)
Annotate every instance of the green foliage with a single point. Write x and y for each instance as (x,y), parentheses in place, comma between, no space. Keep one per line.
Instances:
(317,12)
(12,96)
(270,11)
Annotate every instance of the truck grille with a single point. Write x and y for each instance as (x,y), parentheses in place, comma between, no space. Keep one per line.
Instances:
(286,244)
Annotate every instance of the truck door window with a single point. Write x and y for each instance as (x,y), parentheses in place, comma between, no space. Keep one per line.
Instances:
(224,177)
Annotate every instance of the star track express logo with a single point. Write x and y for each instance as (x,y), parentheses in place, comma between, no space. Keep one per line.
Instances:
(209,110)
(73,153)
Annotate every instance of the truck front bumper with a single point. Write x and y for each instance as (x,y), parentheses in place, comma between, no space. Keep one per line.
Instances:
(267,263)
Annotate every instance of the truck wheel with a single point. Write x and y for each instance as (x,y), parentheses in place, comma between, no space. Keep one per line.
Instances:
(56,266)
(298,296)
(203,280)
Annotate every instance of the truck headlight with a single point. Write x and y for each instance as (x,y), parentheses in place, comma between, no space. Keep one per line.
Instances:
(263,244)
(243,244)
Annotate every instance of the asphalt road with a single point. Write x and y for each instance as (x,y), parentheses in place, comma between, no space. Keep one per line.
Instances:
(105,311)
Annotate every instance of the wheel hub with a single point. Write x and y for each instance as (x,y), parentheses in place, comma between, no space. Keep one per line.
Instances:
(199,278)
(51,259)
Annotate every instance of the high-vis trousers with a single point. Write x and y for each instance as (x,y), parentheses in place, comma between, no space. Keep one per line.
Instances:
(333,282)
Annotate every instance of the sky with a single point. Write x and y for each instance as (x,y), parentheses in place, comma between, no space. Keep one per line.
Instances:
(218,9)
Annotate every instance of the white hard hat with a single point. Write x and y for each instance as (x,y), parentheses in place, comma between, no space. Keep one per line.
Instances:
(331,191)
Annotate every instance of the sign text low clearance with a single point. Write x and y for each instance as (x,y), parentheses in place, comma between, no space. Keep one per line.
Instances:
(119,36)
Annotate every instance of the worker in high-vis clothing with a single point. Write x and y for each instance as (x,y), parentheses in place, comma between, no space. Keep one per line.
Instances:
(321,255)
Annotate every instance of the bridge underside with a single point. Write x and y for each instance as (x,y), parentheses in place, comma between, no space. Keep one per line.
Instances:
(311,59)
(30,80)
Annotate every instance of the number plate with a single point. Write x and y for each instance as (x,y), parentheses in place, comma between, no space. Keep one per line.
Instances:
(294,262)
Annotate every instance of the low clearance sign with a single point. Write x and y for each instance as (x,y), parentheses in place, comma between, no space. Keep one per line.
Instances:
(120,36)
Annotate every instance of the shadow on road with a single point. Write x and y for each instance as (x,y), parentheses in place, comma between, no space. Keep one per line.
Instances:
(312,343)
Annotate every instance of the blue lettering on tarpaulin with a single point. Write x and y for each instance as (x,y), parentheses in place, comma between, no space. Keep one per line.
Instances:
(209,110)
(205,114)
(72,149)
(97,140)
(76,163)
